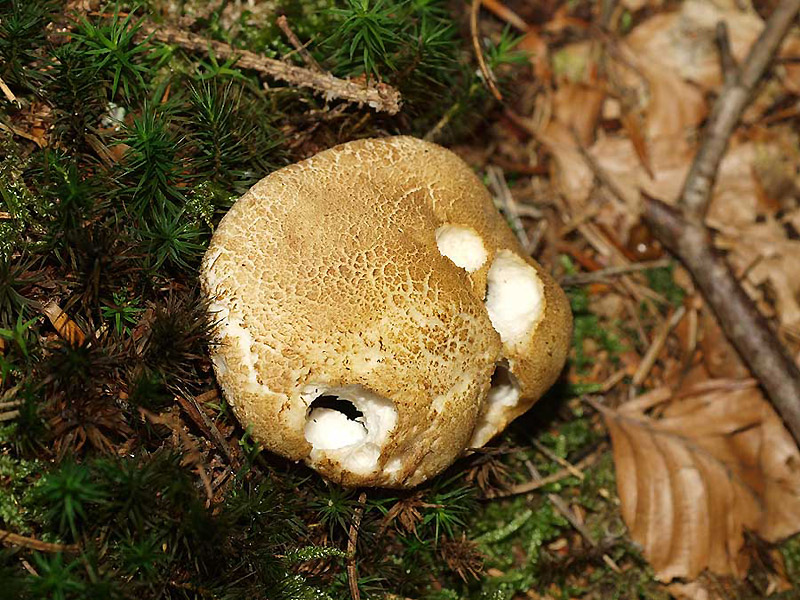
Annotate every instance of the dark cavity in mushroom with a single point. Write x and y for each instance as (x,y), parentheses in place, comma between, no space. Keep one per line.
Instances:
(347,408)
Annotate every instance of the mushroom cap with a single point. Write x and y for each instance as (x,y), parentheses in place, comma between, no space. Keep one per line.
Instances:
(377,278)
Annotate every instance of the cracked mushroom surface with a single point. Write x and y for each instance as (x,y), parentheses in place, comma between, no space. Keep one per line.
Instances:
(377,316)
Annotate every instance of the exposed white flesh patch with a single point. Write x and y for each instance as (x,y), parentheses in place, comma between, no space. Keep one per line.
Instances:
(514,297)
(330,429)
(355,443)
(503,394)
(462,245)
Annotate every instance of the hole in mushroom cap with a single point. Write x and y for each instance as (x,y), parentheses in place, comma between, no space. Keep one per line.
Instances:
(349,424)
(504,390)
(514,296)
(334,423)
(503,394)
(462,245)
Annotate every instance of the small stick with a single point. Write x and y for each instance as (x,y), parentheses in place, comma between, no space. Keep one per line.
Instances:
(556,458)
(7,92)
(535,484)
(498,181)
(654,350)
(731,102)
(562,507)
(8,416)
(216,435)
(352,539)
(603,274)
(612,381)
(381,97)
(11,404)
(501,11)
(488,76)
(283,23)
(14,539)
(727,63)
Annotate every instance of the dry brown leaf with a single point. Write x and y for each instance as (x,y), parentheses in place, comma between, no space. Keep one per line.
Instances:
(694,590)
(68,329)
(769,258)
(719,356)
(192,453)
(717,462)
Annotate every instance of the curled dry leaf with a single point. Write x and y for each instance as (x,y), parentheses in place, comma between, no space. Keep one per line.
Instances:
(68,329)
(683,42)
(767,257)
(716,462)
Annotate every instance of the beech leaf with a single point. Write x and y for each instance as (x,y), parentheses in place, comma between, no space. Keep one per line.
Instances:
(716,462)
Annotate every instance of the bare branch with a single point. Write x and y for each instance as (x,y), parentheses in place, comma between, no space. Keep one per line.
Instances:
(488,76)
(382,97)
(14,539)
(283,23)
(728,109)
(740,319)
(352,541)
(727,63)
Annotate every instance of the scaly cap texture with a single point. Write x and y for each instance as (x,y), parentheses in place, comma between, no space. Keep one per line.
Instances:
(379,274)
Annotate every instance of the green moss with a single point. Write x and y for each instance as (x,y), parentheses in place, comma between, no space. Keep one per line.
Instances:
(662,280)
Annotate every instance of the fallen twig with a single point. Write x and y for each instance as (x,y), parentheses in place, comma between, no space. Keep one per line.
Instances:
(192,407)
(7,92)
(609,272)
(68,329)
(497,181)
(380,96)
(734,97)
(8,416)
(501,11)
(685,234)
(283,23)
(556,458)
(488,76)
(352,540)
(562,507)
(535,484)
(649,358)
(14,539)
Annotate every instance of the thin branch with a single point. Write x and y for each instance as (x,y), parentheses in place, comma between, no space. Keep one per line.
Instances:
(192,407)
(380,96)
(683,231)
(740,319)
(556,458)
(497,181)
(9,416)
(649,359)
(14,539)
(561,506)
(609,272)
(727,63)
(488,76)
(733,99)
(352,540)
(283,23)
(535,484)
(7,92)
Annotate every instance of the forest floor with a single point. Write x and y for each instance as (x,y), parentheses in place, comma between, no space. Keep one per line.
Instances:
(656,466)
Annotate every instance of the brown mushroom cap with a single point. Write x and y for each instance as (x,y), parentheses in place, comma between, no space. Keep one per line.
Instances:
(329,281)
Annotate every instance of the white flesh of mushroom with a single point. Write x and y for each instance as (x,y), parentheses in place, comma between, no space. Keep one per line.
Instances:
(503,394)
(356,443)
(514,297)
(462,245)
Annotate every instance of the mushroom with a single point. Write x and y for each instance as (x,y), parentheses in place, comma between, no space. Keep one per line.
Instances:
(376,314)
